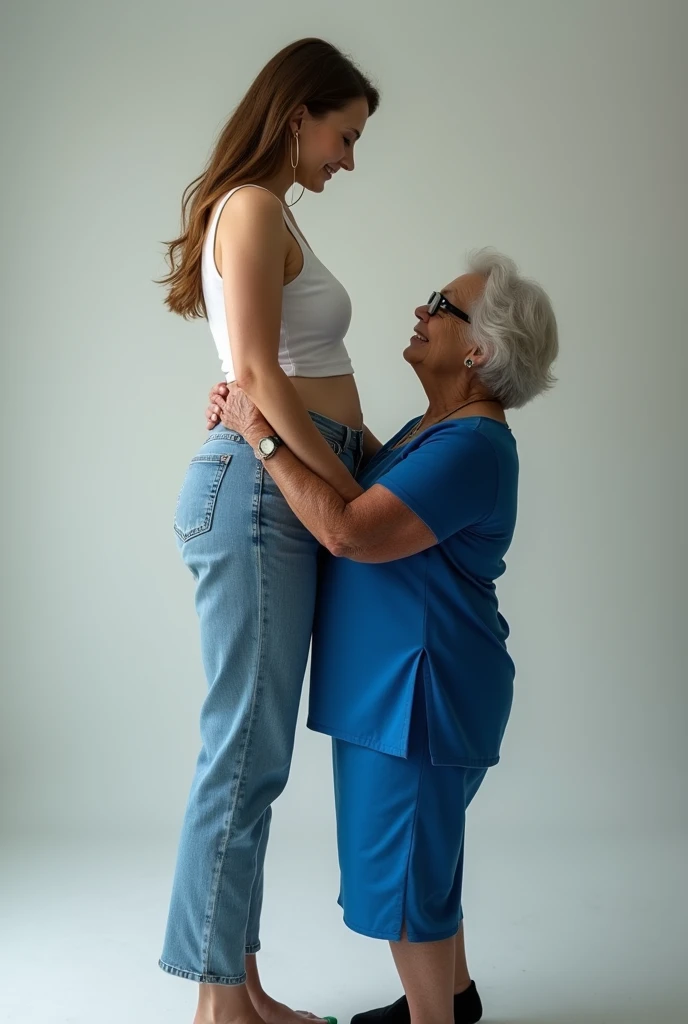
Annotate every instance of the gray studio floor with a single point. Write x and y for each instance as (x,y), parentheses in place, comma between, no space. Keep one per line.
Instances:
(589,930)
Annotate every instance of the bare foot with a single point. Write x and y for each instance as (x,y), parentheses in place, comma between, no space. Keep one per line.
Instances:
(273,1012)
(207,1016)
(225,1004)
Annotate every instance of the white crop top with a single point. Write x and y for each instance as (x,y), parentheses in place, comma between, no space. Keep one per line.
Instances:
(316,312)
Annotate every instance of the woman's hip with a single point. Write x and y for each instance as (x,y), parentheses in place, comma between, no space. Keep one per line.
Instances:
(228,502)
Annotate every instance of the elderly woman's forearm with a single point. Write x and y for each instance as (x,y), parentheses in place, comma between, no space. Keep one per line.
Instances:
(375,526)
(318,506)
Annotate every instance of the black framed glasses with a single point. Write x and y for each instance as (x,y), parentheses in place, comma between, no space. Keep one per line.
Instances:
(437,301)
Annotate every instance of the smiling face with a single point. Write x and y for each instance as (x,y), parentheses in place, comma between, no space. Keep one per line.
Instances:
(441,343)
(326,144)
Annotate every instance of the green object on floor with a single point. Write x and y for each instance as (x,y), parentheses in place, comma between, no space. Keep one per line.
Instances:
(330,1020)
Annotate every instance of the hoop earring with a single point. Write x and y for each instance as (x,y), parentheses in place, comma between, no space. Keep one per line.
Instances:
(295,164)
(468,362)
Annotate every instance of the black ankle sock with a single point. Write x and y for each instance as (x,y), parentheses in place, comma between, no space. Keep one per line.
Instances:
(467,1010)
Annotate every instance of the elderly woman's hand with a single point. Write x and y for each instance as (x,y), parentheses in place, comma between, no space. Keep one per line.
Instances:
(213,412)
(237,412)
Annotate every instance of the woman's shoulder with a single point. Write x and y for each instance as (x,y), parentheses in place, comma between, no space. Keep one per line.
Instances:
(465,430)
(474,429)
(252,207)
(468,433)
(477,443)
(251,220)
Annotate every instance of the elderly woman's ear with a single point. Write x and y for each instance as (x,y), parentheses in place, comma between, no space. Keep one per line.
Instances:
(515,330)
(474,358)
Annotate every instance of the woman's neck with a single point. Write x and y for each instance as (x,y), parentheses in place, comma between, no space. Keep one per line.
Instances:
(280,184)
(444,401)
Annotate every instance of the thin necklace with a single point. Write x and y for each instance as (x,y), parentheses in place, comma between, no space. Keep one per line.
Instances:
(414,430)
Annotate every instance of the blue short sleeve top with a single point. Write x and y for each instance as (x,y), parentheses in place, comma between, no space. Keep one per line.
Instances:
(433,617)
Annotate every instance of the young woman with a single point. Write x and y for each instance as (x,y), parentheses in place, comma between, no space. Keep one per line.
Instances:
(278,318)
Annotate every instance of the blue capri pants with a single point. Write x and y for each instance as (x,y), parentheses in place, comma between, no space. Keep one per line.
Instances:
(400,834)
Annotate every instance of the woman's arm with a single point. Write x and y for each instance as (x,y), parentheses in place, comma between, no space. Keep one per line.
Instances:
(252,247)
(371,444)
(373,526)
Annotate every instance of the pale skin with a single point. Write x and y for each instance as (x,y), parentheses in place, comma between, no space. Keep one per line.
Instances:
(375,526)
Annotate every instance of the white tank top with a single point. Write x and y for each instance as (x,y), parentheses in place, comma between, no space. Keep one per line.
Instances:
(316,311)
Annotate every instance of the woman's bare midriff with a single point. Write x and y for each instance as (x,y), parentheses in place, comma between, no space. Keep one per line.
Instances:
(334,397)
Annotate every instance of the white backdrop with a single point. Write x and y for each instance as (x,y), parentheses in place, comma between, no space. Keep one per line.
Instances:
(552,130)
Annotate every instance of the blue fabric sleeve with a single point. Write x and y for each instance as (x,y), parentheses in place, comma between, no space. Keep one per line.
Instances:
(449,478)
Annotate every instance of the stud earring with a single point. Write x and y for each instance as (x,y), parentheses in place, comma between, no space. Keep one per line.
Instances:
(468,362)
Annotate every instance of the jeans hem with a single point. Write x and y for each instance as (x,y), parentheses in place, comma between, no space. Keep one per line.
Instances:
(203,979)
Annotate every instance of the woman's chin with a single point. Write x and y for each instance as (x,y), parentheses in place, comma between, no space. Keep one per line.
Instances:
(297,190)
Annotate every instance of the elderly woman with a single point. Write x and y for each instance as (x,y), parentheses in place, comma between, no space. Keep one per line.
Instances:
(410,671)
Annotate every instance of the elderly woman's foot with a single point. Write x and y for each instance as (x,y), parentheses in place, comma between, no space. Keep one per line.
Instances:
(467,1010)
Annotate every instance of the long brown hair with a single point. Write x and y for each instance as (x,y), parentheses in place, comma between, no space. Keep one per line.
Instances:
(253,145)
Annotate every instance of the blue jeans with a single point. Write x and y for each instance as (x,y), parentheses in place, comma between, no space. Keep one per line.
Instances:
(255,567)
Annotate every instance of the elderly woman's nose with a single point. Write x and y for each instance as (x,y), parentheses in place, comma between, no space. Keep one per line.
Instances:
(422,313)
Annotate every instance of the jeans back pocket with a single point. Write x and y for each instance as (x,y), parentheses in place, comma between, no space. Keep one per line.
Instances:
(197,498)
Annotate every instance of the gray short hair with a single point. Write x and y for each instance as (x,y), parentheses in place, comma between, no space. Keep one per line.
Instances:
(513,324)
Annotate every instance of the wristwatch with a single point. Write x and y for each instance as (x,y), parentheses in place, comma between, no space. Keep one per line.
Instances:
(267,446)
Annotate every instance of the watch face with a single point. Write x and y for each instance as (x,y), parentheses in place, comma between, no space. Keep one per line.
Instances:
(267,446)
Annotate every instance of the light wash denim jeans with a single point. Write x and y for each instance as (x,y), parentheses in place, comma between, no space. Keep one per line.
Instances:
(255,567)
